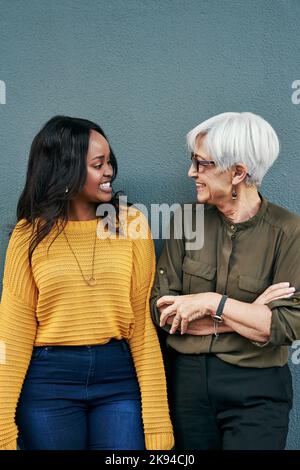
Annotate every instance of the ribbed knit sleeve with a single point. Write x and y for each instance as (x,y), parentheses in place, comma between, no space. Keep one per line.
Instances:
(17,331)
(145,349)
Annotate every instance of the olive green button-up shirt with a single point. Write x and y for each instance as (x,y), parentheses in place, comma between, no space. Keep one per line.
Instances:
(241,260)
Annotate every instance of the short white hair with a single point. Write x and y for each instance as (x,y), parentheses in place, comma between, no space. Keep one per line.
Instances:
(232,138)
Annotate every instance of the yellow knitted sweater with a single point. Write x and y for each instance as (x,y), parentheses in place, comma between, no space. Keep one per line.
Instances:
(50,304)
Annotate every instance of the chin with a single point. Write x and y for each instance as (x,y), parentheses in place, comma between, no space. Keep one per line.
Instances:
(104,198)
(203,198)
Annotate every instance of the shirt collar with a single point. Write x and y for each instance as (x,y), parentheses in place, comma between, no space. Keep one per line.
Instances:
(247,223)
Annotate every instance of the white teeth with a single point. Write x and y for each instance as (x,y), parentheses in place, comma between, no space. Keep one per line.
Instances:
(201,185)
(105,185)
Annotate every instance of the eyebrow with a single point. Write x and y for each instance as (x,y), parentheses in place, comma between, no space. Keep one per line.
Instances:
(98,156)
(197,155)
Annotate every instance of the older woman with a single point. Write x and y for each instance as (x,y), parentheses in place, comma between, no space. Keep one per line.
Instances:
(228,333)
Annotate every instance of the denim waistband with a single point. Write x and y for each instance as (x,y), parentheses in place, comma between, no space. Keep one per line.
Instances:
(111,342)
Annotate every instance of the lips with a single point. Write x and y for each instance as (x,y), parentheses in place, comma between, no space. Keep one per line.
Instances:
(200,186)
(106,187)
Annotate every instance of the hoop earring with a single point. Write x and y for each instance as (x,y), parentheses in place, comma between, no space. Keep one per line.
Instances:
(234,193)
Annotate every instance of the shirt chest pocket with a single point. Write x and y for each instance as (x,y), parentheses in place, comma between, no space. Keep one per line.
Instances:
(251,287)
(197,277)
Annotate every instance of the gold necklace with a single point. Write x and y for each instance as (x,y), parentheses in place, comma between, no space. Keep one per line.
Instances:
(91,281)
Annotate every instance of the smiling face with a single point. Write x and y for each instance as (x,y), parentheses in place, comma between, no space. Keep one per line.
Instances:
(97,187)
(213,186)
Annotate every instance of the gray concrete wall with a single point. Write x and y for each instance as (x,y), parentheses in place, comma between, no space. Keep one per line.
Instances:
(148,71)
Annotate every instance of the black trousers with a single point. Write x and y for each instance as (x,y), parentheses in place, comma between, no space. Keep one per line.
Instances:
(216,405)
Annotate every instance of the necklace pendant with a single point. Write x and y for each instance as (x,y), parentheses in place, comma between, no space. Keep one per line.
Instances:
(92,281)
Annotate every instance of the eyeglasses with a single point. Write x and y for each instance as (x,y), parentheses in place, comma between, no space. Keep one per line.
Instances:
(201,164)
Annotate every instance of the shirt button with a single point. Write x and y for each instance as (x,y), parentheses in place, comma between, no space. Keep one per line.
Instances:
(161,271)
(295,300)
(232,227)
(232,236)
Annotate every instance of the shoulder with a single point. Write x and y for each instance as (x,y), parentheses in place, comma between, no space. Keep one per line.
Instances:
(284,220)
(135,222)
(138,232)
(21,233)
(134,212)
(18,246)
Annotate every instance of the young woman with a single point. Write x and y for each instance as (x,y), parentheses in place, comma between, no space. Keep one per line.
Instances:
(83,367)
(230,385)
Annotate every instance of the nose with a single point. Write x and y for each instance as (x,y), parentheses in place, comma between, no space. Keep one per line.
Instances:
(108,170)
(192,173)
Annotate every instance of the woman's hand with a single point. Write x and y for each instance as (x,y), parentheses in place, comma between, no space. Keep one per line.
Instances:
(184,309)
(203,327)
(282,290)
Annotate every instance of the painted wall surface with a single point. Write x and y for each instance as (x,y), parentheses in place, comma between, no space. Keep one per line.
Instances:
(148,71)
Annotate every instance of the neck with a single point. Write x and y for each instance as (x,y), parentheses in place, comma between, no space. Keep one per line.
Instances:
(244,207)
(82,211)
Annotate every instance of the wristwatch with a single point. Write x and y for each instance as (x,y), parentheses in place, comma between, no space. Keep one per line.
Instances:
(217,317)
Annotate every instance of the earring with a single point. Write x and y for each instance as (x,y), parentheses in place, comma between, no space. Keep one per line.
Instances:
(234,193)
(67,190)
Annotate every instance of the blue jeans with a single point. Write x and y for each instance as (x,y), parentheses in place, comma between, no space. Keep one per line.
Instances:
(81,398)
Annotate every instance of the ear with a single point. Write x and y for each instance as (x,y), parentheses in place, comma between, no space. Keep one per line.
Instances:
(239,173)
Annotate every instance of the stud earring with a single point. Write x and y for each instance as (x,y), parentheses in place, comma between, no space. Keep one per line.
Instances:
(234,193)
(67,190)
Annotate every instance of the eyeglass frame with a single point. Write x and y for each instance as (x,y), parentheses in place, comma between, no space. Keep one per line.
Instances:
(201,163)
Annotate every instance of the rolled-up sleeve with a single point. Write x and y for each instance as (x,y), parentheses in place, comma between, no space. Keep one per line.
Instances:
(285,322)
